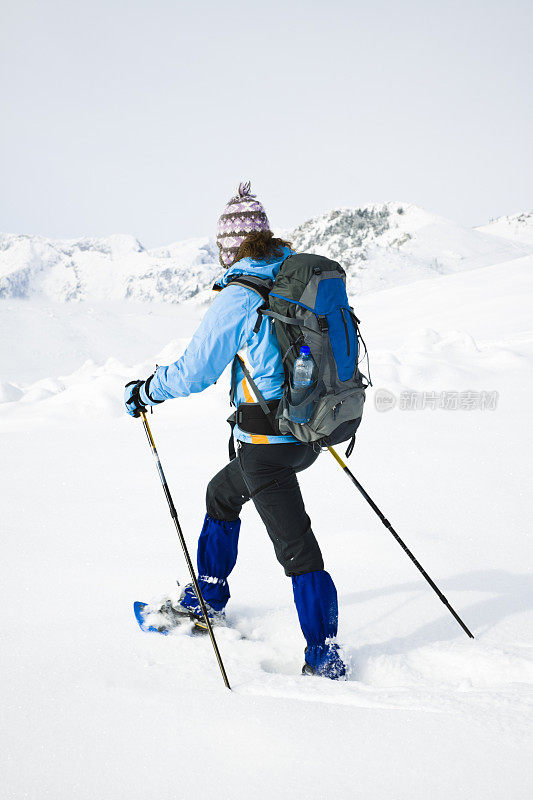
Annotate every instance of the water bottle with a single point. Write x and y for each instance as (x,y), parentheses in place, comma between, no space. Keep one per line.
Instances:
(302,380)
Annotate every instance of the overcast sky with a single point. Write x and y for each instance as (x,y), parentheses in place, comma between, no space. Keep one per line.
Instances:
(141,117)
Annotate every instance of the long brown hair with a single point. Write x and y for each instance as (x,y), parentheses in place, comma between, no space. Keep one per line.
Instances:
(261,246)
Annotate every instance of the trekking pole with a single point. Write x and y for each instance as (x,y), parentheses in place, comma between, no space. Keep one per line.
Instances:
(174,516)
(400,541)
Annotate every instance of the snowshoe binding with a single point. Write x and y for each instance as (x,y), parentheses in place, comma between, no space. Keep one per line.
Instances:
(162,618)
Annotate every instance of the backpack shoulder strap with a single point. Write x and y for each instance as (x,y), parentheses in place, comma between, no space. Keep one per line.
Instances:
(260,286)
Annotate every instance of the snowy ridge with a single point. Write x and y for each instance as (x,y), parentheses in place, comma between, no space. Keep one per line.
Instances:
(379,245)
(517,227)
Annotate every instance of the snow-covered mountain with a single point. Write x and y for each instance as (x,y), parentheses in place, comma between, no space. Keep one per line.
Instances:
(517,227)
(380,246)
(390,244)
(112,268)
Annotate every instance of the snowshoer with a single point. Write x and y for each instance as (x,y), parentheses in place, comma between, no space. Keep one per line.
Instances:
(265,469)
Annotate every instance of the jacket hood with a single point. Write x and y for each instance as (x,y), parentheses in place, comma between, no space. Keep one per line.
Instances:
(262,269)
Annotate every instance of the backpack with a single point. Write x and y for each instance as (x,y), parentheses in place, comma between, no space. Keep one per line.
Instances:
(308,304)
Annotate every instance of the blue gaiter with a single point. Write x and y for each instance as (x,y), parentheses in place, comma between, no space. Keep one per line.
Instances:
(315,597)
(217,554)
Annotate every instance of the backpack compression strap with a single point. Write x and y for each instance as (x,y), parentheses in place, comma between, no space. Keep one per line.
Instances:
(245,412)
(269,413)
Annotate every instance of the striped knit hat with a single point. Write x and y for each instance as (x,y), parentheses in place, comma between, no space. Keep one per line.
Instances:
(242,215)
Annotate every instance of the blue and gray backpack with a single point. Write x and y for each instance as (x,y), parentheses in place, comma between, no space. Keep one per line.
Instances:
(308,304)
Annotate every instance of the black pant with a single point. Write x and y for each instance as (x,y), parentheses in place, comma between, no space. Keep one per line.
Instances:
(266,473)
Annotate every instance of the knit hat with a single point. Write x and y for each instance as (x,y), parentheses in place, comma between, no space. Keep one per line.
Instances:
(242,215)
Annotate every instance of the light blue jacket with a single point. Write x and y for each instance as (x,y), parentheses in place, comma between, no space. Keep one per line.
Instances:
(227,328)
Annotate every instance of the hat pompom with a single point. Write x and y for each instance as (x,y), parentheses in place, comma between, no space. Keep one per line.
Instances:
(244,189)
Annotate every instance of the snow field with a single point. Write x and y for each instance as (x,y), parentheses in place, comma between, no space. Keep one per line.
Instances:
(94,708)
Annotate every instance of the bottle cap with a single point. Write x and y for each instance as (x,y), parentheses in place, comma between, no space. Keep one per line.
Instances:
(305,350)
